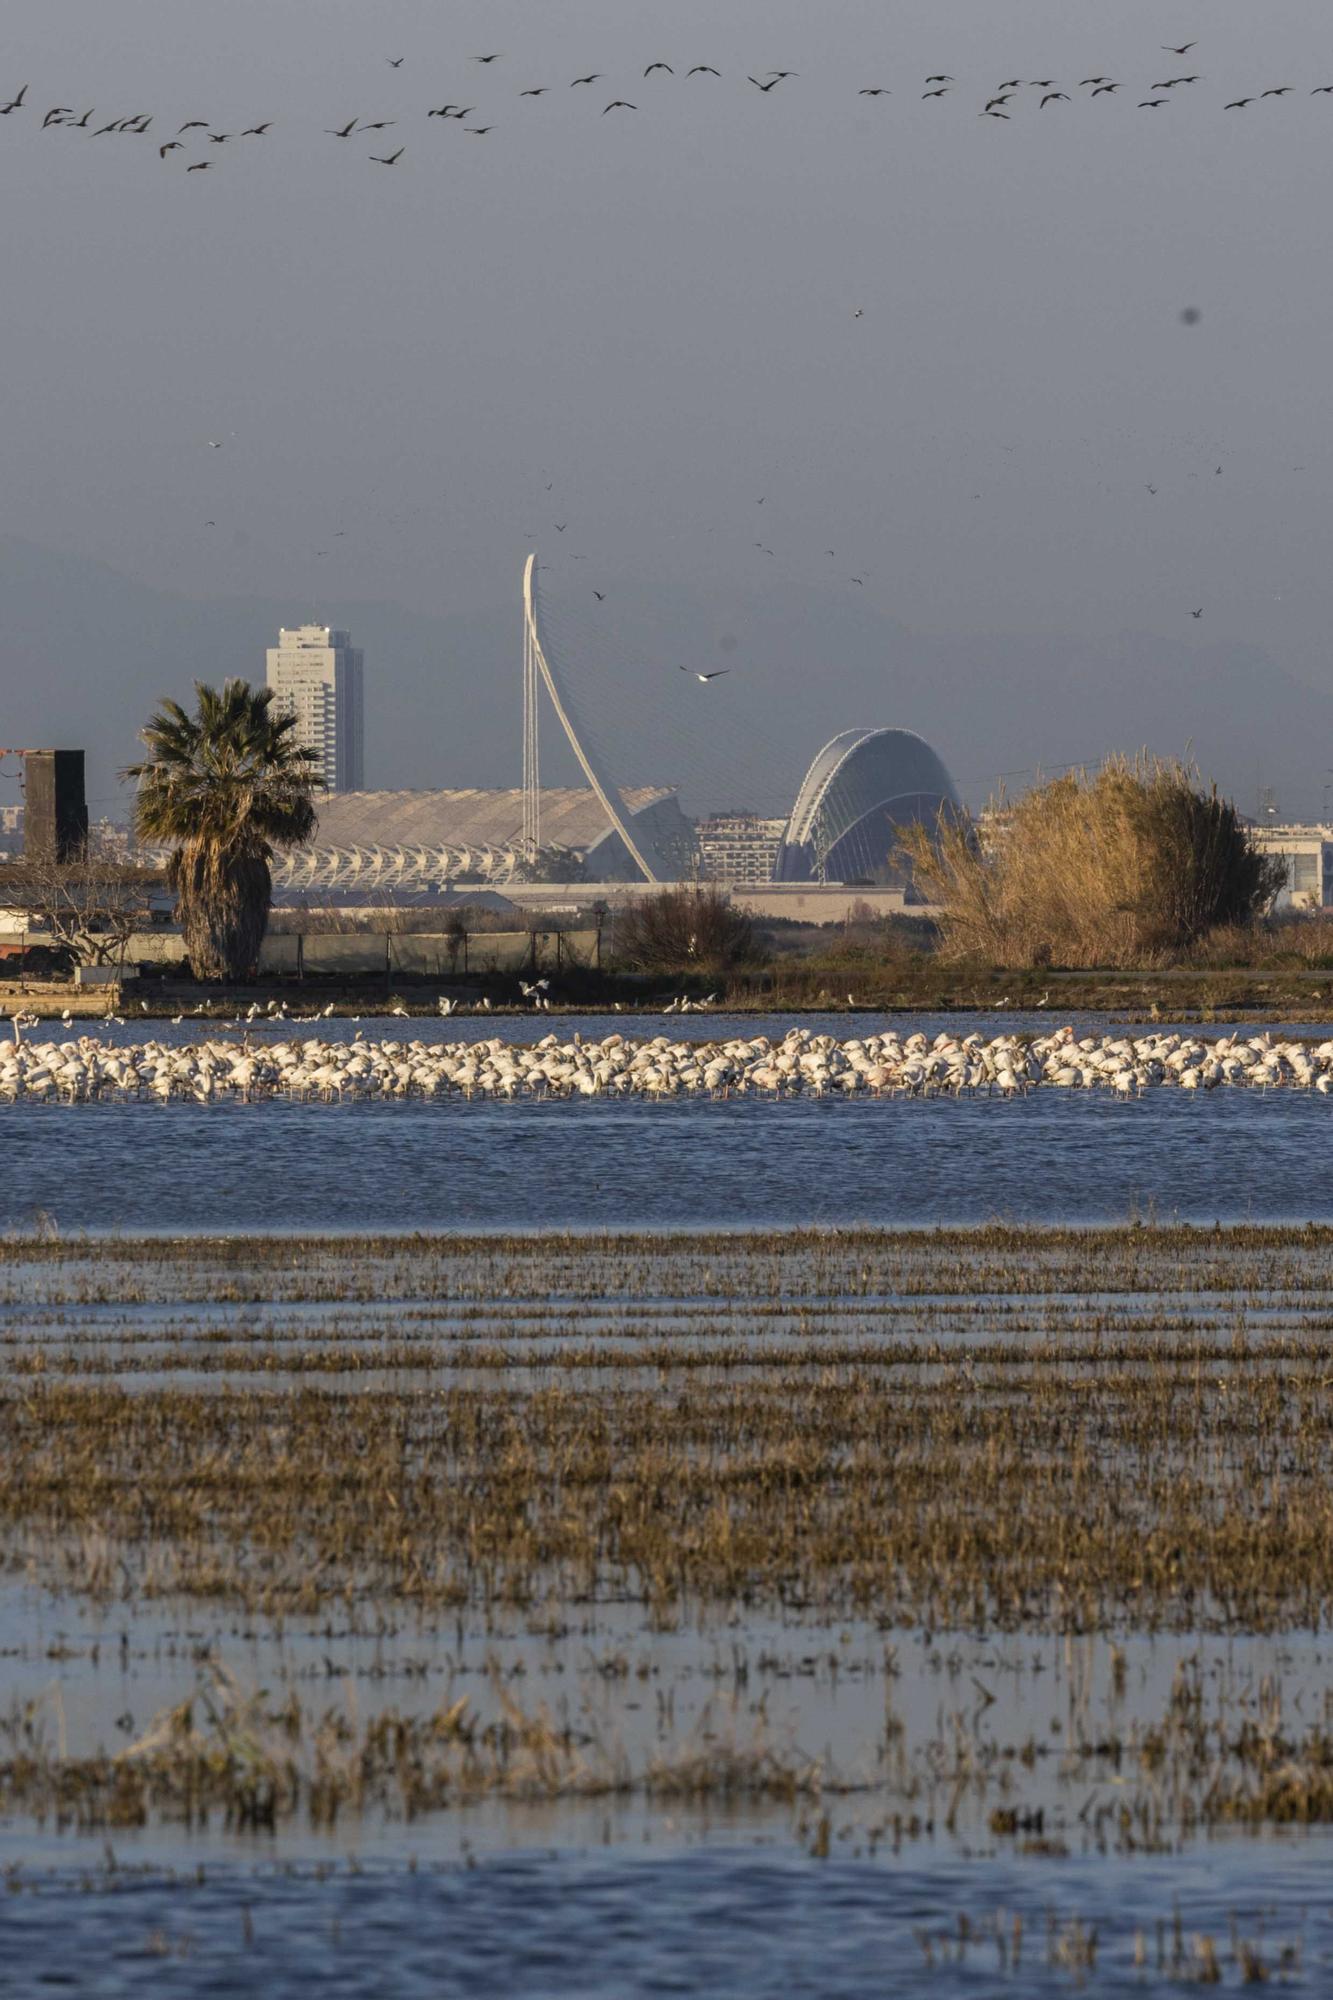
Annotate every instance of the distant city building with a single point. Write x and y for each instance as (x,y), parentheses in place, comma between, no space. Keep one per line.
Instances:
(1308,854)
(409,844)
(316,673)
(862,788)
(740,847)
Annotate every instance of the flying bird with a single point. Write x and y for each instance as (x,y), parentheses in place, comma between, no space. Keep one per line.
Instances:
(343,131)
(218,138)
(993,102)
(256,131)
(1198,613)
(172,146)
(190,125)
(941,78)
(540,91)
(56,111)
(600,595)
(1322,90)
(1182,51)
(778,74)
(856,579)
(595,77)
(1238,104)
(199,167)
(876,90)
(1282,90)
(394,62)
(379,125)
(659,65)
(478,131)
(620,104)
(716,674)
(993,114)
(944,92)
(80,124)
(1153,103)
(489,59)
(1093,79)
(388,159)
(444,110)
(1105,89)
(560,527)
(770,85)
(14,103)
(703,69)
(1054,97)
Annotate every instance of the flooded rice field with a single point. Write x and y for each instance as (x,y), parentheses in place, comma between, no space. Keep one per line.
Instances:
(815,1611)
(1048,1154)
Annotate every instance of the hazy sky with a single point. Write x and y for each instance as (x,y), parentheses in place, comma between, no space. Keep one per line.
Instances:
(655,311)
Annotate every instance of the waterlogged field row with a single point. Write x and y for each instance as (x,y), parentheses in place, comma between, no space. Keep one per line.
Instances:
(1011,1539)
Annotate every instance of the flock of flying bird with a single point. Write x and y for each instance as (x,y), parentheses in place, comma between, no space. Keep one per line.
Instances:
(1002,102)
(802,1064)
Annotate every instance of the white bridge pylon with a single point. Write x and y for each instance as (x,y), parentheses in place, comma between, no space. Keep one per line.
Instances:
(536,671)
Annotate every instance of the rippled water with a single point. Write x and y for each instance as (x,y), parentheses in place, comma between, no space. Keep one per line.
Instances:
(712,1921)
(1221,1155)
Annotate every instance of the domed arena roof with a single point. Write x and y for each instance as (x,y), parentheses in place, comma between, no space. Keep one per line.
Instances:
(861,788)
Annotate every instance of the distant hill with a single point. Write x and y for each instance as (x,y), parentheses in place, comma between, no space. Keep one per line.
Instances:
(85,652)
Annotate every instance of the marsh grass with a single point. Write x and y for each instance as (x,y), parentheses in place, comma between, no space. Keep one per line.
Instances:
(1045,1430)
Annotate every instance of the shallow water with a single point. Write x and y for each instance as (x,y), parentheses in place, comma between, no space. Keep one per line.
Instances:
(718,1919)
(1220,1155)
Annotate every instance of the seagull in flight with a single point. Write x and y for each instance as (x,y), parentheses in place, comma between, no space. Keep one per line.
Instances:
(772,83)
(600,595)
(659,65)
(620,104)
(941,78)
(14,104)
(875,90)
(540,91)
(594,77)
(388,159)
(192,125)
(489,59)
(943,92)
(1238,104)
(1198,613)
(1182,51)
(1105,89)
(703,69)
(1054,97)
(199,167)
(172,146)
(256,131)
(394,62)
(342,132)
(716,674)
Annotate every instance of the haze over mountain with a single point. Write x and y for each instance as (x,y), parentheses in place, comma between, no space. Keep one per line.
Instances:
(85,652)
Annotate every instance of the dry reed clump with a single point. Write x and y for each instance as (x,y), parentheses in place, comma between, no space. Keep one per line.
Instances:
(234,1754)
(1033,1429)
(1125,867)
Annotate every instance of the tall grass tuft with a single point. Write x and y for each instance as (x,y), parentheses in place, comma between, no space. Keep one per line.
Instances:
(1127,866)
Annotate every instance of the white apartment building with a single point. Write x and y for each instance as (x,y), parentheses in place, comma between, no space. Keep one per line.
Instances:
(740,847)
(317,675)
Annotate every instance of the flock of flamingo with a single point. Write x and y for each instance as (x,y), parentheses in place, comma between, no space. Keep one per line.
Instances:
(803,1064)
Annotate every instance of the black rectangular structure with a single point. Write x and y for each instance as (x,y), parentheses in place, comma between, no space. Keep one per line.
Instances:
(55,806)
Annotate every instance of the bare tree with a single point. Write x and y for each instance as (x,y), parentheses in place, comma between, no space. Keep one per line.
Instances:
(84,910)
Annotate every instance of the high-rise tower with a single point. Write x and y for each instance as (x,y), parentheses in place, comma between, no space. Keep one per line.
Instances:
(316,673)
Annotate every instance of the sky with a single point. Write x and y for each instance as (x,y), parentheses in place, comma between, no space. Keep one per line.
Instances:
(949,348)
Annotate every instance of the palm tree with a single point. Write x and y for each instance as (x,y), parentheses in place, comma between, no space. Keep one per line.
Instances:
(223,787)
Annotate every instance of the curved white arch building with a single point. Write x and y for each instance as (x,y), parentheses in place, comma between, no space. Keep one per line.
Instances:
(863,785)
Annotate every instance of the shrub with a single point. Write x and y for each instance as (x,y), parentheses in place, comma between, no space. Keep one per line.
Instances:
(1127,866)
(684,930)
